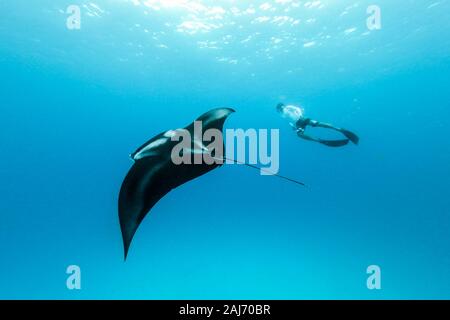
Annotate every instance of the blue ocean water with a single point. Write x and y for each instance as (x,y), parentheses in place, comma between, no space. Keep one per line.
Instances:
(75,103)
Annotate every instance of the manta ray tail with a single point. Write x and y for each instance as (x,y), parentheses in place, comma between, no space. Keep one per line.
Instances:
(267,171)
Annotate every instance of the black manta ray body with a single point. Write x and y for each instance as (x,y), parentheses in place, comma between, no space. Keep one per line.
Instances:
(154,173)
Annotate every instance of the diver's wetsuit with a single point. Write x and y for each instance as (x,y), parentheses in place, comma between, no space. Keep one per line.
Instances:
(301,124)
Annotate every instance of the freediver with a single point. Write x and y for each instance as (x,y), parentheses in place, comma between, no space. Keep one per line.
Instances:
(299,123)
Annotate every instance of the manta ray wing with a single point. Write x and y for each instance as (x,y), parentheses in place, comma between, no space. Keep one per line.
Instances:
(140,191)
(154,174)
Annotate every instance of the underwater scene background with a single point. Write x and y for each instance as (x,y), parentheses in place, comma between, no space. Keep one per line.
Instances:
(76,102)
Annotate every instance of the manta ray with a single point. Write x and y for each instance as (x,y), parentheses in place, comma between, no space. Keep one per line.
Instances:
(154,174)
(155,171)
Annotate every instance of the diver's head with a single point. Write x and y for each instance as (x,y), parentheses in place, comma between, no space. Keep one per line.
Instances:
(292,112)
(280,107)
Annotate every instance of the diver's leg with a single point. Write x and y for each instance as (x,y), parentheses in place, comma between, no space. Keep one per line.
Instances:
(301,134)
(348,134)
(314,123)
(329,143)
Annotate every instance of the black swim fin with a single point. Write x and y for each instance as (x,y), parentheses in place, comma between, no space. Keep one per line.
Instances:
(334,143)
(350,135)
